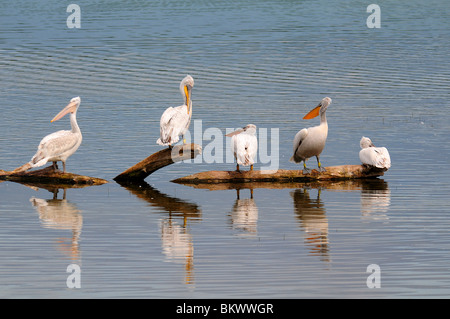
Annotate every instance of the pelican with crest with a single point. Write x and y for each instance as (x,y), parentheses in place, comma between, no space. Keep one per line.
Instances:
(60,145)
(374,156)
(244,145)
(310,142)
(175,120)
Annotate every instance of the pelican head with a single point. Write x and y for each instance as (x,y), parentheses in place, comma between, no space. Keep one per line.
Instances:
(319,109)
(248,129)
(186,86)
(365,142)
(72,107)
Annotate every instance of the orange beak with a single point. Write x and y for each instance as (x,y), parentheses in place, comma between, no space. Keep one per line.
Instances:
(70,108)
(313,113)
(187,92)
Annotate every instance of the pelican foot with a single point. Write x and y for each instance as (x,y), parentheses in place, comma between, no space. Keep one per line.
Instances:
(306,171)
(321,169)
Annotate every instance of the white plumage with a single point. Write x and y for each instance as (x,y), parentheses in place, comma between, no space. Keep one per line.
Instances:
(374,156)
(176,120)
(60,145)
(244,145)
(310,142)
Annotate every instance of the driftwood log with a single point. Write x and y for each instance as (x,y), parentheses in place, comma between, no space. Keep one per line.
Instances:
(343,172)
(49,176)
(337,184)
(158,160)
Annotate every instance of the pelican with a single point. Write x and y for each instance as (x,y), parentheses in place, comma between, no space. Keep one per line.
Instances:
(374,156)
(310,142)
(244,145)
(175,120)
(60,145)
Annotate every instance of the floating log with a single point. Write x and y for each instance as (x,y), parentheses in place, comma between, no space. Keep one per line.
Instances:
(158,160)
(341,184)
(49,176)
(343,172)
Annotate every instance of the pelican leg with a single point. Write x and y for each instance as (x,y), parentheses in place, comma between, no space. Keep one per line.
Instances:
(321,169)
(64,167)
(251,167)
(237,167)
(305,169)
(55,166)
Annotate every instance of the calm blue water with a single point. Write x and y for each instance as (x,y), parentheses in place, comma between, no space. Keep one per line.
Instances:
(266,63)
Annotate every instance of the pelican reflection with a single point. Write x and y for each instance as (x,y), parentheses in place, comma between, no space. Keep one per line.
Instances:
(375,200)
(244,215)
(177,244)
(313,221)
(62,215)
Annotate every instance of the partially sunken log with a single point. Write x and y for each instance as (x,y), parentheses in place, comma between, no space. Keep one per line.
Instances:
(49,176)
(158,160)
(343,172)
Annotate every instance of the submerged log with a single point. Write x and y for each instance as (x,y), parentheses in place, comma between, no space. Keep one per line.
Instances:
(158,160)
(49,176)
(343,172)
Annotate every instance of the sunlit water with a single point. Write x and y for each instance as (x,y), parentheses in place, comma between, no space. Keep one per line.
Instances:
(268,64)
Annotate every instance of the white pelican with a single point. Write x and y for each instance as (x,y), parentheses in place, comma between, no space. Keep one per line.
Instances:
(244,145)
(310,142)
(374,156)
(60,145)
(175,120)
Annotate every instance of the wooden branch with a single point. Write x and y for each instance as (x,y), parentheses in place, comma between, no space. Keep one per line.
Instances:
(158,160)
(49,176)
(338,184)
(343,172)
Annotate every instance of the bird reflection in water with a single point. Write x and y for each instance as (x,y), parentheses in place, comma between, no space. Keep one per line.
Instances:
(244,215)
(375,200)
(312,216)
(177,243)
(62,215)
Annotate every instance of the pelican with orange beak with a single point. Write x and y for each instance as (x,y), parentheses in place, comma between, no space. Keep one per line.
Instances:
(175,120)
(310,142)
(60,145)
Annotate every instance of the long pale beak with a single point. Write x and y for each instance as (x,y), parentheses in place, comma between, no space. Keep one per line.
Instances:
(313,113)
(70,108)
(187,92)
(235,132)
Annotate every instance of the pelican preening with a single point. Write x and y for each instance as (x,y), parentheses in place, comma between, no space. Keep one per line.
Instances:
(244,145)
(175,120)
(374,156)
(60,145)
(310,142)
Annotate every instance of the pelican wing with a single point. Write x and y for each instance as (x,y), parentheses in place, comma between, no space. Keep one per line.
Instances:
(174,122)
(375,156)
(245,147)
(54,145)
(298,139)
